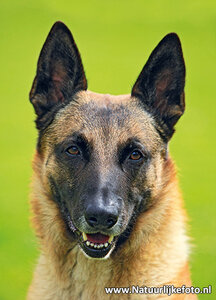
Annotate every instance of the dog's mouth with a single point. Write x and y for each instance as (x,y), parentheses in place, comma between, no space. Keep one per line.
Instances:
(97,245)
(94,245)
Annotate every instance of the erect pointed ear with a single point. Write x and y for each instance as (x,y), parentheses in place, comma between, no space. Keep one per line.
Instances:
(160,85)
(60,73)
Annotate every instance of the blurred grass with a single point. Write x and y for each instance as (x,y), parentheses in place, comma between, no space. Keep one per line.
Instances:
(115,38)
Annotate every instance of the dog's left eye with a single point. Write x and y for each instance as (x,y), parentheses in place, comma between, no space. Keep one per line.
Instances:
(73,150)
(136,155)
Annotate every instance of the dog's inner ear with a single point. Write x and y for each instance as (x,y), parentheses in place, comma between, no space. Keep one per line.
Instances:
(160,85)
(60,72)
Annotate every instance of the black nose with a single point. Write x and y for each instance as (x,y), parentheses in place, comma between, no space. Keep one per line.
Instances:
(101,218)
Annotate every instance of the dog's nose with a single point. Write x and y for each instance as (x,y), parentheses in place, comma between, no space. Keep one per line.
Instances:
(101,218)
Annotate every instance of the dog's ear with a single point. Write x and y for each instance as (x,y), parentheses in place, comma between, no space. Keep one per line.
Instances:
(60,73)
(160,85)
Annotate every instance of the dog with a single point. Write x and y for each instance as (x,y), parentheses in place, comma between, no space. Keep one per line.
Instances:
(106,205)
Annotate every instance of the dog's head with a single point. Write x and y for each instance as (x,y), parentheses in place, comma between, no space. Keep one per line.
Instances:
(103,156)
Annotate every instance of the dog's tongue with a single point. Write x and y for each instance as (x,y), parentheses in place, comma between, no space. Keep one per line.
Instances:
(97,238)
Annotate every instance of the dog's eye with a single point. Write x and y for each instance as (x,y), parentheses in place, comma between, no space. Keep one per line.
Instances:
(136,155)
(73,150)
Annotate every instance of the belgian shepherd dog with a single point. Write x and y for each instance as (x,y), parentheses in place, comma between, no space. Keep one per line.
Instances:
(107,210)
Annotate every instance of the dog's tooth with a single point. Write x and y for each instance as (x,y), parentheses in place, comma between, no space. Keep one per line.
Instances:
(101,245)
(91,244)
(98,246)
(87,243)
(110,238)
(84,236)
(106,245)
(95,246)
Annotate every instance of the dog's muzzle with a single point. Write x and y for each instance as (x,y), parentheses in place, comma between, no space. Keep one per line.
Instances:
(96,239)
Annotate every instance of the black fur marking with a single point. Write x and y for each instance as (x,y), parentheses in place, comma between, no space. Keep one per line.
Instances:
(130,145)
(160,85)
(140,208)
(55,191)
(60,74)
(104,117)
(57,198)
(126,234)
(77,139)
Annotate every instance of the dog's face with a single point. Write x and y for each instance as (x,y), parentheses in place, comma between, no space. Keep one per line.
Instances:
(103,156)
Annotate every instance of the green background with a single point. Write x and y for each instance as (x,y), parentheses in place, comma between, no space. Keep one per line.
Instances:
(115,38)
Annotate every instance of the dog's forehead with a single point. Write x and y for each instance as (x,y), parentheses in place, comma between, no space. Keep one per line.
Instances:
(104,116)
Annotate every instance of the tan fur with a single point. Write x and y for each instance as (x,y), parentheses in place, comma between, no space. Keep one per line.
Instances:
(155,254)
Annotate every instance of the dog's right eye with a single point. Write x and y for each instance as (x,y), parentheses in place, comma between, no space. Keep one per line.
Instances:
(73,150)
(136,155)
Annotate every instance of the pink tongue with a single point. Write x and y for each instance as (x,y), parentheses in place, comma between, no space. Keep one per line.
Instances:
(97,238)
